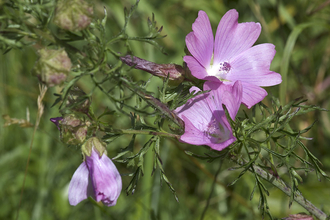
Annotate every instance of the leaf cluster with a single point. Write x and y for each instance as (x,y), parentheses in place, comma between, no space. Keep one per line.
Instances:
(267,141)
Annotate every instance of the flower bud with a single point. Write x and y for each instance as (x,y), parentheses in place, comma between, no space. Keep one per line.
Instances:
(73,129)
(73,15)
(56,121)
(175,72)
(77,100)
(52,67)
(97,176)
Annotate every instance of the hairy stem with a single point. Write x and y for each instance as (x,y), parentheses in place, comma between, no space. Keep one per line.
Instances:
(281,185)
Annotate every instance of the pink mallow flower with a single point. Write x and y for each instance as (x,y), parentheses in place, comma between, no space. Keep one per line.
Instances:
(231,57)
(204,118)
(97,177)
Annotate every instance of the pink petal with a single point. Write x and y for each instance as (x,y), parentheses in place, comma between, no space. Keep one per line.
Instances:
(252,94)
(252,66)
(194,89)
(232,38)
(205,120)
(105,177)
(222,145)
(214,100)
(211,85)
(232,98)
(186,106)
(200,41)
(231,95)
(192,135)
(78,188)
(220,128)
(197,111)
(195,67)
(195,136)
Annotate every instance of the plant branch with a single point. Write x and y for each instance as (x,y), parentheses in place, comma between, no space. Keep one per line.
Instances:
(155,103)
(145,132)
(281,185)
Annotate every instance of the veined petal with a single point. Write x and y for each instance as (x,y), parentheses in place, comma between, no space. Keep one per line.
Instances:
(200,41)
(192,135)
(105,177)
(252,94)
(205,120)
(228,94)
(232,98)
(195,136)
(252,66)
(196,69)
(197,111)
(186,106)
(212,85)
(79,184)
(232,38)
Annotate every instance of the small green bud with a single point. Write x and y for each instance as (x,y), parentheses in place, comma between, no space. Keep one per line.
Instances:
(95,143)
(73,129)
(73,15)
(52,67)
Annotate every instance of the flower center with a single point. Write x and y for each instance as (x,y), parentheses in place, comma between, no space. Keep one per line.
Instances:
(224,67)
(220,71)
(217,132)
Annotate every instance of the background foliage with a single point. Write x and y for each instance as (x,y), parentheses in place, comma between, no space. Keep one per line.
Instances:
(303,51)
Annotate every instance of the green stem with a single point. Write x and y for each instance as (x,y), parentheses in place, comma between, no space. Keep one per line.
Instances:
(270,155)
(155,103)
(281,185)
(117,38)
(145,132)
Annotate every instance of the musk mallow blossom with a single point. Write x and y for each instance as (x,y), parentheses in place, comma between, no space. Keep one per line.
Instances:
(204,117)
(230,56)
(97,176)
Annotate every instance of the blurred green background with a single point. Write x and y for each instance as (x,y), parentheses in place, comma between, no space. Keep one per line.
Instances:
(303,24)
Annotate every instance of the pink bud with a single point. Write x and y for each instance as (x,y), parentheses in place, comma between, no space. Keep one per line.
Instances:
(52,67)
(73,15)
(97,177)
(175,72)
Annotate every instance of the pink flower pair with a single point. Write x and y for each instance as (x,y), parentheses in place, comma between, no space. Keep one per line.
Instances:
(234,71)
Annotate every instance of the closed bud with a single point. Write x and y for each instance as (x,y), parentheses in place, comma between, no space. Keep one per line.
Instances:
(56,121)
(73,129)
(97,176)
(73,15)
(52,67)
(175,72)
